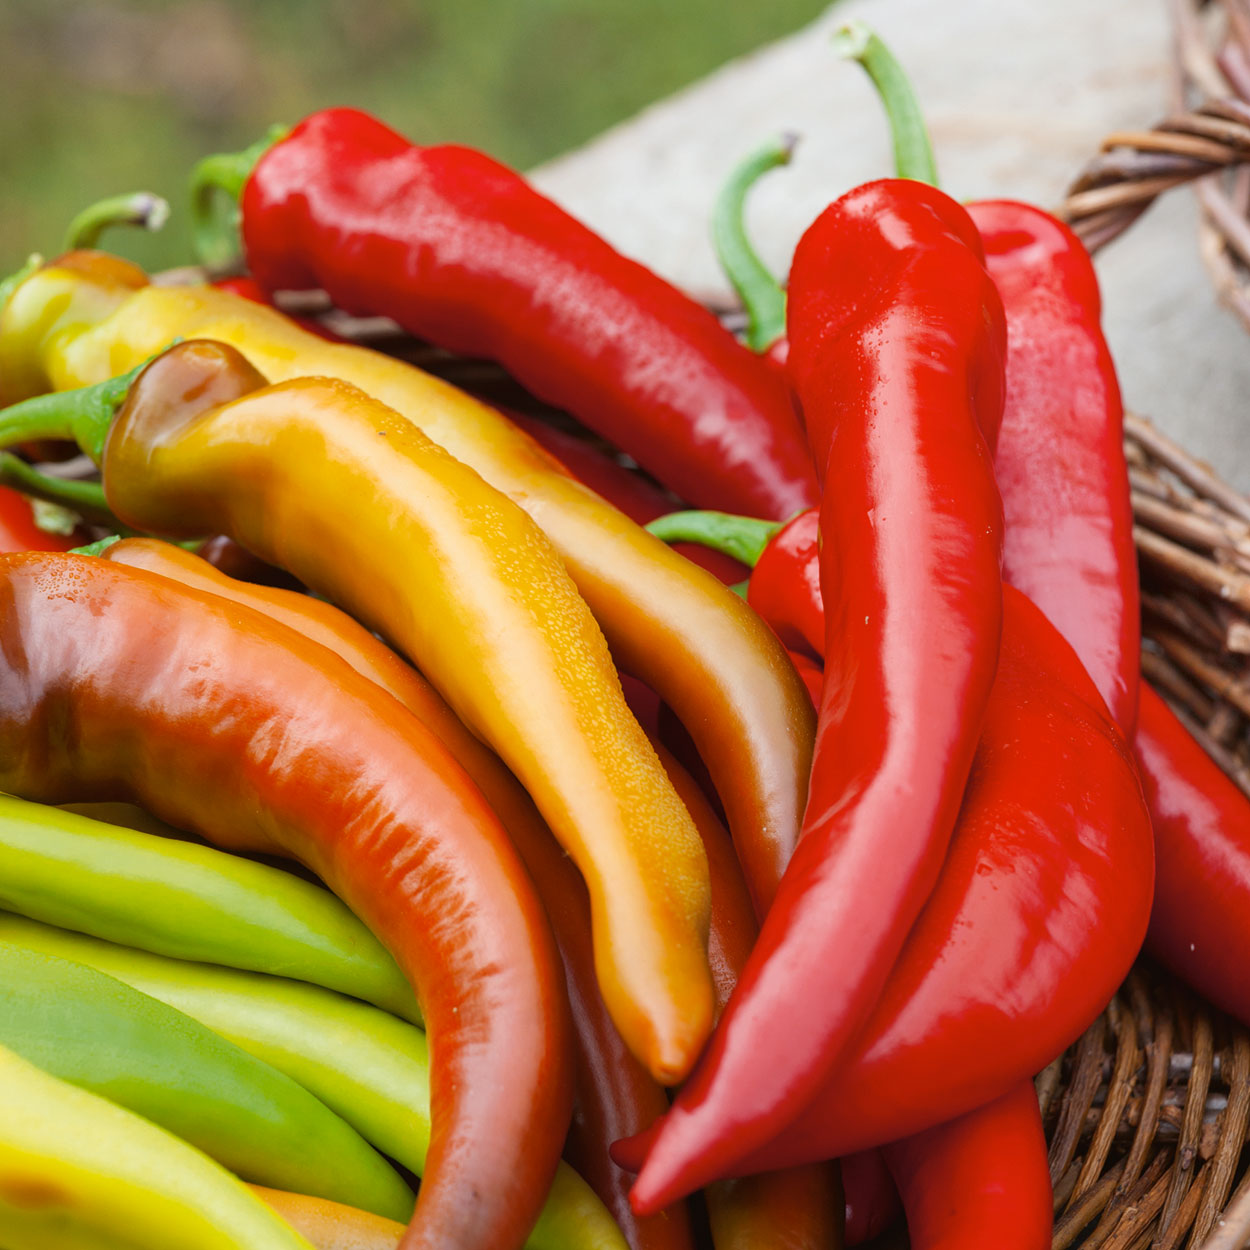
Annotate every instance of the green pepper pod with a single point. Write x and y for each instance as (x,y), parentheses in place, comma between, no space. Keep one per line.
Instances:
(78,1172)
(190,902)
(91,1030)
(369,1067)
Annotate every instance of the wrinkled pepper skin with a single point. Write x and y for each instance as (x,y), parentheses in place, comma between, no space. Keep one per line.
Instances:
(466,585)
(121,684)
(1039,912)
(980,1182)
(87,316)
(463,252)
(86,1027)
(1068,521)
(1201,915)
(887,290)
(78,1172)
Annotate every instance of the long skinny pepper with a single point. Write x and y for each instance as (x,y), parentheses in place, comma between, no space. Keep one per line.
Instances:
(888,288)
(116,683)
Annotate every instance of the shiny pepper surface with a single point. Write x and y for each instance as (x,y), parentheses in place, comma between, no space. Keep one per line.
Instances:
(116,683)
(467,586)
(1068,522)
(897,344)
(88,317)
(463,252)
(1039,913)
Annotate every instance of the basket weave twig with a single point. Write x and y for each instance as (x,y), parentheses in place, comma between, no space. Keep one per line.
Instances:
(1147,1115)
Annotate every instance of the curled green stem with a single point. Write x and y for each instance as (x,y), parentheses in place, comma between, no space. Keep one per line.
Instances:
(141,208)
(758,289)
(742,537)
(214,231)
(84,498)
(82,416)
(913,153)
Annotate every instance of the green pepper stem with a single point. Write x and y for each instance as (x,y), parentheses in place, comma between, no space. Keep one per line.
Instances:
(742,537)
(913,153)
(82,416)
(97,548)
(85,498)
(141,208)
(758,289)
(215,234)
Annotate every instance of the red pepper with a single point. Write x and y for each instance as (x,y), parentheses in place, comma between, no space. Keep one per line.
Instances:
(1039,913)
(118,683)
(980,1182)
(1200,925)
(1068,522)
(462,251)
(872,1202)
(784,587)
(896,342)
(18,531)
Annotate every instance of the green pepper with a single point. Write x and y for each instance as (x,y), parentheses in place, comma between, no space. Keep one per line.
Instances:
(369,1067)
(78,1172)
(188,901)
(91,1030)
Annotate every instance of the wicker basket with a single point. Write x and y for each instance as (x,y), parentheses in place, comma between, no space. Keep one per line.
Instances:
(1147,1114)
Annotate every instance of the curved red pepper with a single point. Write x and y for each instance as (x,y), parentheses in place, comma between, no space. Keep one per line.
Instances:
(887,290)
(117,683)
(980,1182)
(785,584)
(1068,521)
(1200,925)
(462,251)
(1040,910)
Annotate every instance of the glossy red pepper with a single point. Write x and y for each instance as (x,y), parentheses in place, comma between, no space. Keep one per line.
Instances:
(1200,924)
(463,252)
(1040,910)
(117,683)
(980,1182)
(1068,522)
(888,289)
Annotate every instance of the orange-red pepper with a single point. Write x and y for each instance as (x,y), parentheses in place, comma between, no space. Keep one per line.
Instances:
(117,683)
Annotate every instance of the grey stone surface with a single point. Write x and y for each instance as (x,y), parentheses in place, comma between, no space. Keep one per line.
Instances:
(1018,95)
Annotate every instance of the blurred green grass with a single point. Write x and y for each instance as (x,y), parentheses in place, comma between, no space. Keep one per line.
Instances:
(105,96)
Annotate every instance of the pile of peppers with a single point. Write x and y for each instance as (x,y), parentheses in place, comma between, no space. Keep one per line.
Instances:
(436,857)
